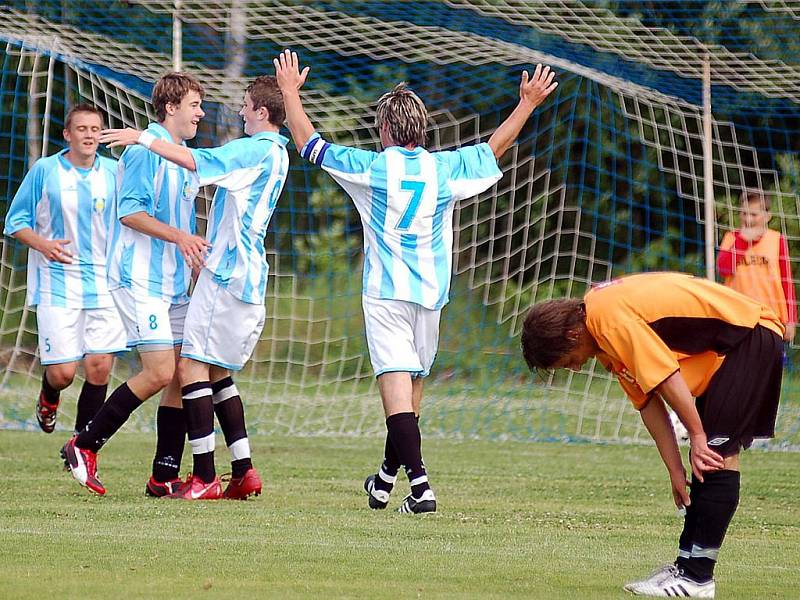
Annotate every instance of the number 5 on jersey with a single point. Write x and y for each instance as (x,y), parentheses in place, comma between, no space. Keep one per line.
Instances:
(416,188)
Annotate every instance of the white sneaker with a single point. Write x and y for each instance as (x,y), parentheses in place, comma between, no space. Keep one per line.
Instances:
(670,582)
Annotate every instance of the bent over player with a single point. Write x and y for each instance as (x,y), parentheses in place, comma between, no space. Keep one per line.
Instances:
(713,355)
(405,196)
(62,212)
(226,312)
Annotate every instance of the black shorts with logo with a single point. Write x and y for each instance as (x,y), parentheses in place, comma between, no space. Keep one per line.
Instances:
(741,401)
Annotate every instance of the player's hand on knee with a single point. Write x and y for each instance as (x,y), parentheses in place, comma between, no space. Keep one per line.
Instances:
(702,457)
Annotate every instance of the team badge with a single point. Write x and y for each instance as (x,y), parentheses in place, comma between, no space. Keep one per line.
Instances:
(99,205)
(190,189)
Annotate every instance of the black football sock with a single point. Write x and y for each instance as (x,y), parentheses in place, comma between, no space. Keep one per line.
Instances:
(199,411)
(171,438)
(405,437)
(230,414)
(89,402)
(387,474)
(51,394)
(109,419)
(714,502)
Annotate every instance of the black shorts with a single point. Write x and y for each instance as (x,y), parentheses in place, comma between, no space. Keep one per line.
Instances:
(741,401)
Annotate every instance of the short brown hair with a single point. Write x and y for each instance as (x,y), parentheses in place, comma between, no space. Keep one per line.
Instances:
(81,108)
(265,93)
(544,331)
(404,114)
(172,89)
(753,196)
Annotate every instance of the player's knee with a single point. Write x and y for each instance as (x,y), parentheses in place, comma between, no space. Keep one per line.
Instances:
(98,369)
(60,376)
(160,374)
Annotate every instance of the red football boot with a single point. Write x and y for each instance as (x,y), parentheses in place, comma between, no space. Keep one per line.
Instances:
(82,464)
(46,414)
(195,488)
(240,488)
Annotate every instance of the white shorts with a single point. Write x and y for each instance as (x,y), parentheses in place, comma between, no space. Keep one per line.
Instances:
(151,323)
(401,336)
(220,329)
(68,334)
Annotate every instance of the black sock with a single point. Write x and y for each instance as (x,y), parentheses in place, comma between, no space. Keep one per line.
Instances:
(89,402)
(51,394)
(387,474)
(171,432)
(230,414)
(713,505)
(405,437)
(199,411)
(108,420)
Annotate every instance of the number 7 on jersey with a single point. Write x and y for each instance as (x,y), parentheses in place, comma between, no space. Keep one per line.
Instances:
(416,188)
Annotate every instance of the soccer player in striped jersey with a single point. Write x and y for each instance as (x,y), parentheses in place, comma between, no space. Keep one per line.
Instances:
(405,196)
(62,212)
(151,253)
(713,355)
(754,260)
(226,312)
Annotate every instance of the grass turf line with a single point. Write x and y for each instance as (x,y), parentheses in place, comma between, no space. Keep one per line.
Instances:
(516,520)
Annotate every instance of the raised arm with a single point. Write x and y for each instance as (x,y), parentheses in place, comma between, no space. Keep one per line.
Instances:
(176,153)
(290,80)
(532,92)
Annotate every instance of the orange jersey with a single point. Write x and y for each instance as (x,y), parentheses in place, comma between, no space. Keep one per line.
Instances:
(651,325)
(757,271)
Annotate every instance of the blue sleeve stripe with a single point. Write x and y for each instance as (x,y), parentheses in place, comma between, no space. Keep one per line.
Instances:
(315,151)
(305,150)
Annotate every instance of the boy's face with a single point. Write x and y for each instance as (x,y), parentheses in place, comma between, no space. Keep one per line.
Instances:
(186,115)
(585,348)
(251,117)
(83,133)
(754,216)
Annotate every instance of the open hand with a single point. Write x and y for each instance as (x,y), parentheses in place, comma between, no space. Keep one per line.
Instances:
(119,137)
(287,71)
(534,90)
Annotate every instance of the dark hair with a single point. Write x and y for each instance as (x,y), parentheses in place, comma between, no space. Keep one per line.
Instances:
(544,331)
(265,93)
(404,114)
(81,108)
(172,89)
(753,196)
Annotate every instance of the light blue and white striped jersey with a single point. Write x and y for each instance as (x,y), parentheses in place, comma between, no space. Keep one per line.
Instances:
(249,174)
(146,182)
(60,201)
(405,199)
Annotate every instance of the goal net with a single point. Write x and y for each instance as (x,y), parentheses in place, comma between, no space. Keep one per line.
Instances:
(607,178)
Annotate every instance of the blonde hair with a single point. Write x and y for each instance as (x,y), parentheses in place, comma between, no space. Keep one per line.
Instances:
(403,114)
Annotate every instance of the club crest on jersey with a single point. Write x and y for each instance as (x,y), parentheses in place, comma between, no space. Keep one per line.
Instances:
(189,191)
(99,205)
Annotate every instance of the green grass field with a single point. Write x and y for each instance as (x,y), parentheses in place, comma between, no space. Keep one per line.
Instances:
(524,520)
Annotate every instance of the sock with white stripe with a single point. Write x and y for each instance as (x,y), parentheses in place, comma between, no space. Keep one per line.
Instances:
(89,402)
(171,437)
(230,414)
(407,441)
(714,503)
(199,411)
(109,419)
